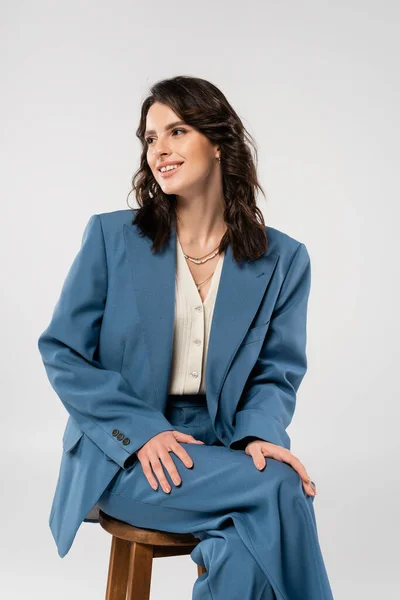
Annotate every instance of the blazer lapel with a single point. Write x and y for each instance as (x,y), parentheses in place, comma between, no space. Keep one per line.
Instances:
(153,277)
(241,289)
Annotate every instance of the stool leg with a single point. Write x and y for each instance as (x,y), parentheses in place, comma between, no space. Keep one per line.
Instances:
(118,569)
(140,567)
(201,570)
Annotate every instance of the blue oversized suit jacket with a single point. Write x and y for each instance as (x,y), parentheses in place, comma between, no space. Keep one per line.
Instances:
(107,354)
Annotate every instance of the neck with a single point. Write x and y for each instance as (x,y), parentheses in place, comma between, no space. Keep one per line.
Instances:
(200,231)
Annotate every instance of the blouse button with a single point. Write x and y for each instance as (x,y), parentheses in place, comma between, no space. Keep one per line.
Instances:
(194,374)
(199,308)
(197,342)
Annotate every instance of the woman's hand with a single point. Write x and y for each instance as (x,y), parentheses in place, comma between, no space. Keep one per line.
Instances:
(259,450)
(157,449)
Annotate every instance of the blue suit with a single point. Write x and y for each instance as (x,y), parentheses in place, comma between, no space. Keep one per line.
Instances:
(107,353)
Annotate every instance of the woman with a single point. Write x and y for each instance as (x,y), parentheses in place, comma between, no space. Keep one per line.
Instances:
(175,424)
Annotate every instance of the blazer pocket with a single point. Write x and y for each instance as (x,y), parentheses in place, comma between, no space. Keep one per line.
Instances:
(255,333)
(72,435)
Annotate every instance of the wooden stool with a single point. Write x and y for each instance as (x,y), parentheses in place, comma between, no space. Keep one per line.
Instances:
(132,553)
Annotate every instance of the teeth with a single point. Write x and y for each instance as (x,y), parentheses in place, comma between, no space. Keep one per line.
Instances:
(168,168)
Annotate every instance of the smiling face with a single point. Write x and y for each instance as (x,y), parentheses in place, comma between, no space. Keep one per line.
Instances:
(169,139)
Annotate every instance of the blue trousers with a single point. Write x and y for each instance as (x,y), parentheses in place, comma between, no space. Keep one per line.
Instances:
(258,531)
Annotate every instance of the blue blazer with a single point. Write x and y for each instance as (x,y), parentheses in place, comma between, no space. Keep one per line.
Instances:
(107,354)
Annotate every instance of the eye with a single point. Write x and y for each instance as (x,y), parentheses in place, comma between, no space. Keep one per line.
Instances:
(173,130)
(178,129)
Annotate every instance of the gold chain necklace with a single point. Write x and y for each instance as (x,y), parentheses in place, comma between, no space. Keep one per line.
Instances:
(201,260)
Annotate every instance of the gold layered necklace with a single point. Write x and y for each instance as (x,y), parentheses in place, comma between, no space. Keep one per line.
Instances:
(201,260)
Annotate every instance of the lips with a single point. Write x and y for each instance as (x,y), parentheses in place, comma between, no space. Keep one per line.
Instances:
(171,171)
(169,164)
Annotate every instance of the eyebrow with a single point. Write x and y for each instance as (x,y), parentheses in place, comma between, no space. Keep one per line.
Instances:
(167,127)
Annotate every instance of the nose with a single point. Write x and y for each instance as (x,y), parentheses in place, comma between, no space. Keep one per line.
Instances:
(160,146)
(160,153)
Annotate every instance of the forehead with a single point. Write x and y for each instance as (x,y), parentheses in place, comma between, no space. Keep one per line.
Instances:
(161,117)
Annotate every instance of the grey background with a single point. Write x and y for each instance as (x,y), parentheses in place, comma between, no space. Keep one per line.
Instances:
(317,84)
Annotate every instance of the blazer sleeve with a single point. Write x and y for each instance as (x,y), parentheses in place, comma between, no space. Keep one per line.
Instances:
(98,399)
(268,401)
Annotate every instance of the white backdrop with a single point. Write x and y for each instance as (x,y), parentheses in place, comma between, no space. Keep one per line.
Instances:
(317,85)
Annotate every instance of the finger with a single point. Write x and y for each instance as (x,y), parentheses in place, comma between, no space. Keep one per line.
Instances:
(183,455)
(258,457)
(308,486)
(193,440)
(182,437)
(186,437)
(284,455)
(300,468)
(314,487)
(171,468)
(147,470)
(159,471)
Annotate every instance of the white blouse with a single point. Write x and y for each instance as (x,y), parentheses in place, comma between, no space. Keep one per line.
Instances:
(192,327)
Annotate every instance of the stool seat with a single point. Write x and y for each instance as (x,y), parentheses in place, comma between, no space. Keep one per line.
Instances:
(131,557)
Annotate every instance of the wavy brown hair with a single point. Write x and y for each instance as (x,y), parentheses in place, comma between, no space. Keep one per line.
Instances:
(204,107)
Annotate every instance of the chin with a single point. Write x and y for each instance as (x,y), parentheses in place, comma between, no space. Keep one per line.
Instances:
(174,189)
